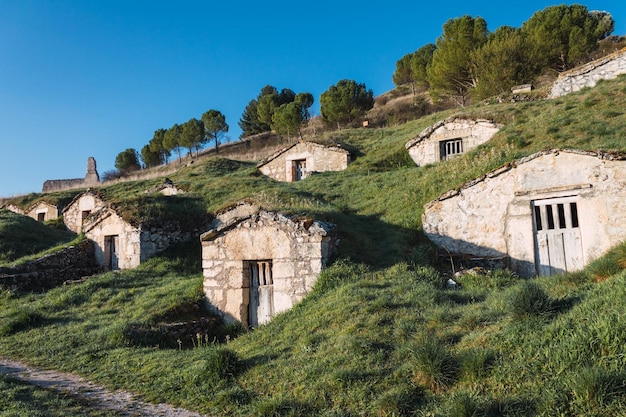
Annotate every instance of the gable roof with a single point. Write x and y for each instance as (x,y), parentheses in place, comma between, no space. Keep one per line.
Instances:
(605,155)
(89,191)
(239,213)
(333,148)
(426,133)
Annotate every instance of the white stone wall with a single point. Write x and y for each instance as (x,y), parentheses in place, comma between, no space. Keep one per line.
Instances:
(49,211)
(73,213)
(424,149)
(108,223)
(318,158)
(491,216)
(588,75)
(297,253)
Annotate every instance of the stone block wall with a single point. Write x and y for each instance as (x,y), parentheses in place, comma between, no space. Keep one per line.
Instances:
(297,250)
(425,148)
(319,158)
(492,216)
(605,68)
(69,264)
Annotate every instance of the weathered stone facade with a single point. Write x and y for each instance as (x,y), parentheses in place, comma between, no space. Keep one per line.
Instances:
(551,212)
(121,245)
(605,68)
(14,209)
(69,264)
(302,159)
(83,205)
(91,179)
(448,138)
(43,211)
(257,263)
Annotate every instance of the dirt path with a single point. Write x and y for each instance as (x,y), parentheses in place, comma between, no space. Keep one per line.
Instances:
(120,401)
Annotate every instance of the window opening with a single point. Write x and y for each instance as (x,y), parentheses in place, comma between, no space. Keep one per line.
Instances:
(299,169)
(450,148)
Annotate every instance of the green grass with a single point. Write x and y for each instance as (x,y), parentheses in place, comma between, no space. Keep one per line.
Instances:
(21,399)
(380,334)
(22,236)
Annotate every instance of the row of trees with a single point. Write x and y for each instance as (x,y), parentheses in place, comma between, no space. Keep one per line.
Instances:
(193,135)
(468,61)
(286,112)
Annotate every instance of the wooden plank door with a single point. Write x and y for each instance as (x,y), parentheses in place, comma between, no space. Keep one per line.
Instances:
(261,306)
(558,244)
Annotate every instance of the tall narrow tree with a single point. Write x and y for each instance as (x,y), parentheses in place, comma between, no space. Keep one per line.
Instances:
(449,74)
(215,126)
(192,135)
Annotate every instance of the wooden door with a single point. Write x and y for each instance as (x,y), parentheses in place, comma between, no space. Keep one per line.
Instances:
(261,307)
(558,245)
(111,251)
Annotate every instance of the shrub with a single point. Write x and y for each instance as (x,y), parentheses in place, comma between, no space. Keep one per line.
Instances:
(593,387)
(402,401)
(221,363)
(475,364)
(436,368)
(20,319)
(530,300)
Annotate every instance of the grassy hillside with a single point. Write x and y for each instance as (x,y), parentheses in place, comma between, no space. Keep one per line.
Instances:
(22,236)
(380,334)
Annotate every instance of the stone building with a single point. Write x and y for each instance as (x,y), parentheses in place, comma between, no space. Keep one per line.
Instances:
(43,211)
(85,203)
(549,213)
(258,263)
(588,75)
(449,138)
(120,244)
(302,159)
(14,208)
(91,179)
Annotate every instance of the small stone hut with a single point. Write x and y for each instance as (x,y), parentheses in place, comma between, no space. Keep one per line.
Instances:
(15,209)
(548,213)
(606,68)
(258,263)
(298,161)
(449,138)
(77,211)
(120,244)
(43,211)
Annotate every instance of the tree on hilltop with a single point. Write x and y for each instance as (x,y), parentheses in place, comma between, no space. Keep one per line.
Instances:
(215,126)
(150,158)
(171,139)
(192,135)
(289,118)
(157,145)
(449,74)
(411,68)
(561,37)
(345,102)
(500,64)
(127,161)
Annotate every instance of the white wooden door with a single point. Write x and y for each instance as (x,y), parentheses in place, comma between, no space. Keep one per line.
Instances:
(261,307)
(558,245)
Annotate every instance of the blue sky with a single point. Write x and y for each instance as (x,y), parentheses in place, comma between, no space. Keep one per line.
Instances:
(82,78)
